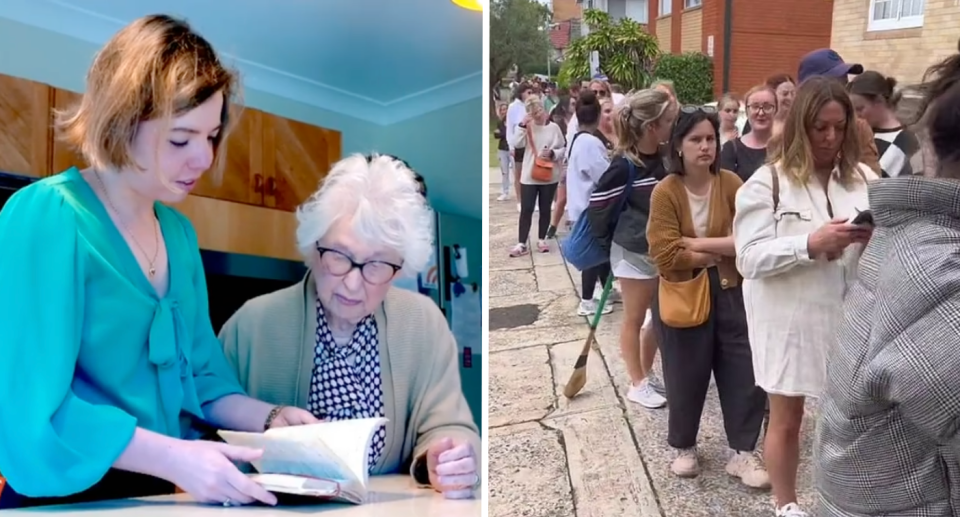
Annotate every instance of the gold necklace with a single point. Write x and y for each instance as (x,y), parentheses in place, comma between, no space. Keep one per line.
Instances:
(156,235)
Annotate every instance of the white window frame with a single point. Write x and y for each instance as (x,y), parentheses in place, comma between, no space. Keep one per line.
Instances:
(666,7)
(889,24)
(691,4)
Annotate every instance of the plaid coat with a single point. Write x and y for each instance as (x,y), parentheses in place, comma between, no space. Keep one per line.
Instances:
(888,439)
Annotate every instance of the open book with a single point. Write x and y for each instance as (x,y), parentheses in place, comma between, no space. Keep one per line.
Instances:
(326,460)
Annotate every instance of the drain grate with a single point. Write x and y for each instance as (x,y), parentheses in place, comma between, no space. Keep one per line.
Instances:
(513,316)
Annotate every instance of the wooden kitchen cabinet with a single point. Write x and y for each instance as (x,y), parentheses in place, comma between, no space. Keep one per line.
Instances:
(24,126)
(296,157)
(242,179)
(63,156)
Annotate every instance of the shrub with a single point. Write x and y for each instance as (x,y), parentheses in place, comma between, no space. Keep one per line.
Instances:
(691,73)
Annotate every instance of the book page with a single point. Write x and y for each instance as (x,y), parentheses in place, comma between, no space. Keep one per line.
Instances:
(348,439)
(303,455)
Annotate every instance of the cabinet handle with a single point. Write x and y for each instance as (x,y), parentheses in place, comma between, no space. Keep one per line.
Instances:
(258,183)
(271,186)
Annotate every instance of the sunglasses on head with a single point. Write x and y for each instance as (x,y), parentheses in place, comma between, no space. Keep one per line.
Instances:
(693,108)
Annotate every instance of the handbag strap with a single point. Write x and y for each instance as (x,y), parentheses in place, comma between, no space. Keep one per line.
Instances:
(573,141)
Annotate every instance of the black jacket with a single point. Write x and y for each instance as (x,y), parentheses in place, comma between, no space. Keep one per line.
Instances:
(629,228)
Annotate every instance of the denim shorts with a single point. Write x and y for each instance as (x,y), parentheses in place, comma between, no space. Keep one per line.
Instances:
(627,264)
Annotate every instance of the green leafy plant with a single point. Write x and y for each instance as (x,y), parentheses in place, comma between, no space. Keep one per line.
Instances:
(691,73)
(627,52)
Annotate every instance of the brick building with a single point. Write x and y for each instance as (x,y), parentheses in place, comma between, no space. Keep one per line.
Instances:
(896,37)
(748,39)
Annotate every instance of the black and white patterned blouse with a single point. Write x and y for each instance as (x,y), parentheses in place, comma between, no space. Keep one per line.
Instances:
(346,383)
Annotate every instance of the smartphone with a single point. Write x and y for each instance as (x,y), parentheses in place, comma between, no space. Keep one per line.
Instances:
(864,218)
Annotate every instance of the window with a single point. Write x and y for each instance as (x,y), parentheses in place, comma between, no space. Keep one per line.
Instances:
(690,4)
(888,15)
(665,6)
(636,10)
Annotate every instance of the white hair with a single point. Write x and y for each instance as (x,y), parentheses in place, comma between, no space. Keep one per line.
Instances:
(381,198)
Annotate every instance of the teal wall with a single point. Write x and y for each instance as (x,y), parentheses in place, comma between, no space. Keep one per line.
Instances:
(437,144)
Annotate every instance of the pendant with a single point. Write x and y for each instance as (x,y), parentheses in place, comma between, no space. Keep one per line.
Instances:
(153,271)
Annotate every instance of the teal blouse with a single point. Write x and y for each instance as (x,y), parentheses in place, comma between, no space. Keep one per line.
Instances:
(88,351)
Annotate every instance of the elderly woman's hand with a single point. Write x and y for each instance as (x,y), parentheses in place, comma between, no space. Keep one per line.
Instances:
(453,469)
(291,416)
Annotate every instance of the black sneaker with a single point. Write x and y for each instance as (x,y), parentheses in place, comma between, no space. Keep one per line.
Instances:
(551,231)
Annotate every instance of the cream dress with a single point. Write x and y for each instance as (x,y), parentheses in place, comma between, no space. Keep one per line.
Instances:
(793,303)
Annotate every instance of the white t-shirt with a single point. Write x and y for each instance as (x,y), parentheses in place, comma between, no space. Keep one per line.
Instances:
(587,160)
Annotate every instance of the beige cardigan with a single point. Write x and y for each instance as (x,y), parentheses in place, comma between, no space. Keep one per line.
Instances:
(270,343)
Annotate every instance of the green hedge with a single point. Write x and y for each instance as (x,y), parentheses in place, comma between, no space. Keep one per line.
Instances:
(691,73)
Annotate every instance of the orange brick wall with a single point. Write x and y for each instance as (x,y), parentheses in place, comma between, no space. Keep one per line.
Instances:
(564,10)
(787,32)
(664,33)
(769,36)
(691,31)
(905,54)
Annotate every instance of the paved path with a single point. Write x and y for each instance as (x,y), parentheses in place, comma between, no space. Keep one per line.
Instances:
(596,455)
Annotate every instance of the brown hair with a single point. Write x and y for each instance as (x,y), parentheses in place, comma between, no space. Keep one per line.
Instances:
(874,86)
(775,80)
(792,149)
(154,68)
(633,119)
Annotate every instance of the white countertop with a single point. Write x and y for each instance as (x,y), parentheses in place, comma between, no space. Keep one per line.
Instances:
(395,496)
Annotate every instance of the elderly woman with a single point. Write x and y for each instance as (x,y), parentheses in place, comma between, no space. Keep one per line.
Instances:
(344,344)
(887,441)
(797,249)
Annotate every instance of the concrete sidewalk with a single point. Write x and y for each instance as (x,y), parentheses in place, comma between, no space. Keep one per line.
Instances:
(597,455)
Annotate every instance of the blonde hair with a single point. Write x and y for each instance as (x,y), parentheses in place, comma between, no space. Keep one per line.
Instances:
(791,148)
(665,83)
(156,67)
(727,99)
(533,101)
(636,113)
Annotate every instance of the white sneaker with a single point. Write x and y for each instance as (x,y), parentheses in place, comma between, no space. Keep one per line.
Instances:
(503,197)
(613,297)
(791,510)
(748,467)
(589,308)
(644,395)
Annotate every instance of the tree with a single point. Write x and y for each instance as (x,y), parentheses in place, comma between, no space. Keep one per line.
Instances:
(627,52)
(519,36)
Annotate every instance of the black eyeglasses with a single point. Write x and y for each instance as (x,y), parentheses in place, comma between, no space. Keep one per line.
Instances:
(376,272)
(765,108)
(693,108)
(600,93)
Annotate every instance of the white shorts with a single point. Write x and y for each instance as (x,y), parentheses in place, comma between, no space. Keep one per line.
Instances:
(627,264)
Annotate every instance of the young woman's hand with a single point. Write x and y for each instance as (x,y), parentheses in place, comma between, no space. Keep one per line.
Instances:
(206,471)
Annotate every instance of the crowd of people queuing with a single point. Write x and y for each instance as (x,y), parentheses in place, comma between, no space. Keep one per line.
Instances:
(811,252)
